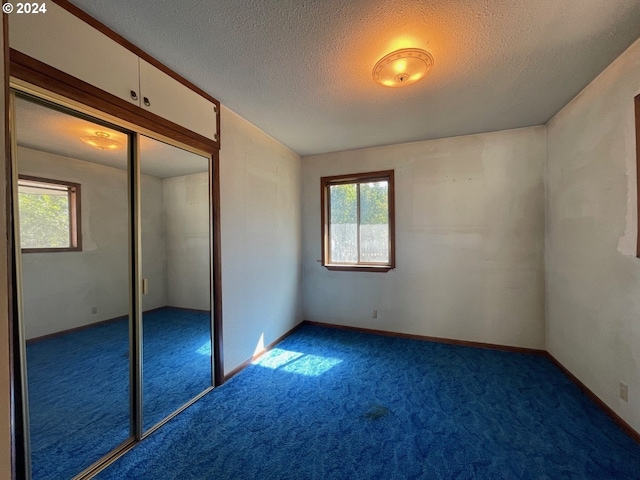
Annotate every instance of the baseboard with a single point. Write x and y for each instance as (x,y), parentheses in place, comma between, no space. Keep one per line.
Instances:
(628,429)
(194,310)
(75,329)
(463,343)
(248,362)
(102,322)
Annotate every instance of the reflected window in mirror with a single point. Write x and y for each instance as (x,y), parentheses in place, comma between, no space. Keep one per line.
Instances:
(49,215)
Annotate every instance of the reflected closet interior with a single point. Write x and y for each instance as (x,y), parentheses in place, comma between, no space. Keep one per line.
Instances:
(114,280)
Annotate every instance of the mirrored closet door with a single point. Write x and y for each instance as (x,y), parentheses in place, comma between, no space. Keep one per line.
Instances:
(176,301)
(114,284)
(73,210)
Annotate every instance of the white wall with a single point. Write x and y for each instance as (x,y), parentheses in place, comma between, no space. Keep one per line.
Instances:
(186,220)
(261,238)
(469,241)
(153,242)
(593,277)
(60,288)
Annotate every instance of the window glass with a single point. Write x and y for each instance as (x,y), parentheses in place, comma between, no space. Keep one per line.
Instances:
(46,214)
(374,222)
(344,223)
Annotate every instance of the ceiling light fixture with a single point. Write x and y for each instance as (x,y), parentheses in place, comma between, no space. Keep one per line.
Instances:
(101,141)
(402,67)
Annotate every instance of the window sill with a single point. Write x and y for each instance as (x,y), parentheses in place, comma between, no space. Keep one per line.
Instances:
(51,250)
(359,268)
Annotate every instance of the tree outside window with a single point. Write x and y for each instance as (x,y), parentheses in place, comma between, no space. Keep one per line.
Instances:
(49,215)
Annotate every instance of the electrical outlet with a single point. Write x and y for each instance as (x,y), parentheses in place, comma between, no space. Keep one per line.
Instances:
(624,392)
(94,310)
(374,314)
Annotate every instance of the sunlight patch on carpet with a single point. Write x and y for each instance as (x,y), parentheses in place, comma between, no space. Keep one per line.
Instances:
(205,349)
(296,362)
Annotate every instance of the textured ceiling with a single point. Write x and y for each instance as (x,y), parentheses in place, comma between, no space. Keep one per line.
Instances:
(301,69)
(47,130)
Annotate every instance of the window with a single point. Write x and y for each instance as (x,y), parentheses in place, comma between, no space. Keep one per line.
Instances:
(358,222)
(49,215)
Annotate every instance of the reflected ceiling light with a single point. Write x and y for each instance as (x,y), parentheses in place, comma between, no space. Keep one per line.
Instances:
(101,141)
(402,67)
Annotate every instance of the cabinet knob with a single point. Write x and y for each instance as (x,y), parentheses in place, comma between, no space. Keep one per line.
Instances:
(146,101)
(134,95)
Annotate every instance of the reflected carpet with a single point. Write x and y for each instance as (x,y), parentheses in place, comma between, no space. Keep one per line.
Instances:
(79,386)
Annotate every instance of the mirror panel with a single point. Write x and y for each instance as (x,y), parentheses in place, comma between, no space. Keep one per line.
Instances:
(176,300)
(74,228)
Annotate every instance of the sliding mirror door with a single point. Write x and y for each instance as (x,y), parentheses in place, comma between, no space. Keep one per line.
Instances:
(176,269)
(73,206)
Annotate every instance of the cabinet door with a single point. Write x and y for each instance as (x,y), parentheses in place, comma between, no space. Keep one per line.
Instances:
(168,98)
(65,42)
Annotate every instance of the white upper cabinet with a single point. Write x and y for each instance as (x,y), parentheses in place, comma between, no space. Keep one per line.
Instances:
(168,98)
(65,42)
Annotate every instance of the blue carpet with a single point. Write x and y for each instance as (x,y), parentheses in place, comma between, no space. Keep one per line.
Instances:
(331,404)
(177,360)
(79,386)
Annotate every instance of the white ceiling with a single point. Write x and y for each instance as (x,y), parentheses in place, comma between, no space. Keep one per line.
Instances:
(301,69)
(41,128)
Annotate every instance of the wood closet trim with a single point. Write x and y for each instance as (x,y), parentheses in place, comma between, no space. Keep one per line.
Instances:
(637,111)
(18,464)
(216,238)
(101,27)
(42,75)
